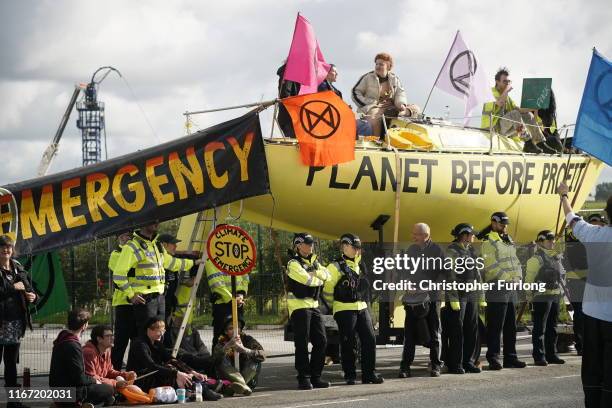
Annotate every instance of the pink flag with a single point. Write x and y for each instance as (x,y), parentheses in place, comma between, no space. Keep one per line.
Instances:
(463,76)
(305,63)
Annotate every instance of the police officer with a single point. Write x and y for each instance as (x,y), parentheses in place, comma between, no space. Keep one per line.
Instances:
(148,258)
(125,325)
(545,267)
(422,322)
(577,268)
(459,316)
(305,279)
(348,288)
(500,264)
(220,285)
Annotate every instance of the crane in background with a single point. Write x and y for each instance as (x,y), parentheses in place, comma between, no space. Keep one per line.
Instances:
(90,121)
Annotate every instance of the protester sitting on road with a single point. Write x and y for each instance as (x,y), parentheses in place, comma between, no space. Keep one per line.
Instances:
(15,293)
(514,120)
(545,267)
(67,367)
(251,355)
(148,355)
(97,359)
(380,92)
(547,119)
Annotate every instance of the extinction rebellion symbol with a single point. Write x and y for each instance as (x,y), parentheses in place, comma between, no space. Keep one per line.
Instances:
(461,80)
(319,119)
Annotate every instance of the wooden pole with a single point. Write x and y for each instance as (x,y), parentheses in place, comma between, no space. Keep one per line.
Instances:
(235,320)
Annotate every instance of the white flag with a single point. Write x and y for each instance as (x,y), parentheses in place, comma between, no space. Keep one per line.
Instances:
(463,76)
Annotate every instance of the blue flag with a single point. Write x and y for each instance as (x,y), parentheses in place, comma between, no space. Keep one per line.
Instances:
(593,132)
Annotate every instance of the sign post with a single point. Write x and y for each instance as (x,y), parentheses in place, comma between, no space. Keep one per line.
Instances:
(232,251)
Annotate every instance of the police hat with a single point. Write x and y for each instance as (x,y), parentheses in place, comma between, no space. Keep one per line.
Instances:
(596,217)
(5,240)
(463,228)
(351,239)
(302,238)
(546,235)
(168,239)
(500,217)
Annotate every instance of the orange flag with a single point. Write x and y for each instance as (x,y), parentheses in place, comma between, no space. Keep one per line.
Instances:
(324,126)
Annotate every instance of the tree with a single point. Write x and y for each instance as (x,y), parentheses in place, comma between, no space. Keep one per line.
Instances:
(603,191)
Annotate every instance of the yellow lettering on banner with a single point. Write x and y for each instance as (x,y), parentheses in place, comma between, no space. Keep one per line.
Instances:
(95,197)
(218,181)
(30,218)
(156,181)
(69,202)
(179,172)
(242,154)
(137,188)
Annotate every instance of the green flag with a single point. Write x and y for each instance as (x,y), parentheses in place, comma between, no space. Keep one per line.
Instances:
(48,281)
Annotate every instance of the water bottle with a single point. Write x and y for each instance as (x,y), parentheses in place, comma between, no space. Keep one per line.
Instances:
(198,392)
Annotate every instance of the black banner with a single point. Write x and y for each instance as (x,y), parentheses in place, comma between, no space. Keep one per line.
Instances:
(212,167)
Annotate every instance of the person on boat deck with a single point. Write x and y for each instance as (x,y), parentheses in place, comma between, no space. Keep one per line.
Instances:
(380,92)
(286,89)
(547,119)
(305,279)
(327,84)
(514,120)
(347,290)
(545,267)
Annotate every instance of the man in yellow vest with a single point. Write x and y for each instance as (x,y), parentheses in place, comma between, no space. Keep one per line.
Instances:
(220,285)
(148,258)
(545,268)
(348,289)
(305,280)
(514,120)
(501,265)
(124,314)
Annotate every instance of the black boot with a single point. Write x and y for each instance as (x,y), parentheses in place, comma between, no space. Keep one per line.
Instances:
(318,383)
(555,143)
(210,395)
(529,147)
(546,148)
(304,383)
(555,360)
(372,378)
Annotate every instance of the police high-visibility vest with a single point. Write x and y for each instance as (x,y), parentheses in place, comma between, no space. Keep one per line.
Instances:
(183,294)
(543,258)
(336,274)
(148,259)
(553,126)
(491,107)
(119,296)
(220,284)
(305,279)
(500,260)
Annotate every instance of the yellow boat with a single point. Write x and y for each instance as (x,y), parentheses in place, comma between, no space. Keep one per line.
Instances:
(448,174)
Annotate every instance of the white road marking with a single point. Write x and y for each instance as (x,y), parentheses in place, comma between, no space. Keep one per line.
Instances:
(568,376)
(318,404)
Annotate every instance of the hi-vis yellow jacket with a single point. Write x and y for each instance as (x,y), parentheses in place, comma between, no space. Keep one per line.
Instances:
(119,296)
(500,260)
(536,262)
(220,284)
(183,293)
(149,260)
(304,286)
(335,274)
(491,107)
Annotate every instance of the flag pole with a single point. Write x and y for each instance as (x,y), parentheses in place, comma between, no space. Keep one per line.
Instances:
(439,73)
(262,104)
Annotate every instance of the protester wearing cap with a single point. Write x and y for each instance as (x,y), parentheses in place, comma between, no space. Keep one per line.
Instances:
(545,267)
(576,276)
(460,344)
(15,293)
(125,325)
(305,279)
(422,321)
(597,304)
(500,264)
(348,289)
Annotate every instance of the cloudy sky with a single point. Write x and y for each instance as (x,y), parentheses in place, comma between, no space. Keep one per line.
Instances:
(188,55)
